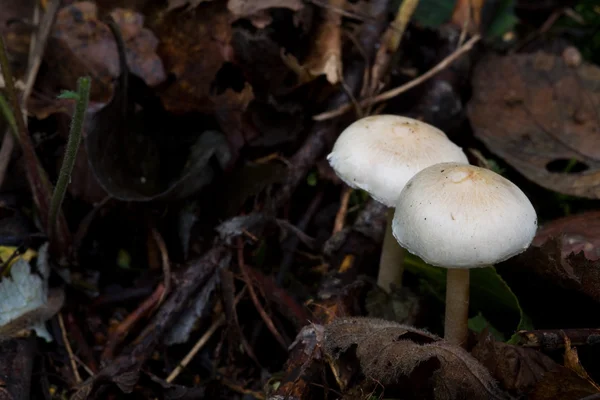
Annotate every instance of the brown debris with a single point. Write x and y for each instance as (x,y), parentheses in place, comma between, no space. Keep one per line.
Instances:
(421,363)
(534,111)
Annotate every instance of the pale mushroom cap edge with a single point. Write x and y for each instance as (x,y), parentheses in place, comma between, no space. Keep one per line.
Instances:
(379,154)
(461,216)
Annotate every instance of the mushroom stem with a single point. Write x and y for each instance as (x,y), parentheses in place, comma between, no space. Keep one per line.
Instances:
(391,263)
(457,306)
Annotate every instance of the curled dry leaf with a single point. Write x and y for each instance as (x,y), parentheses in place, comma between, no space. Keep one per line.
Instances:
(517,369)
(574,272)
(248,8)
(423,363)
(580,232)
(325,57)
(538,113)
(80,39)
(570,382)
(194,46)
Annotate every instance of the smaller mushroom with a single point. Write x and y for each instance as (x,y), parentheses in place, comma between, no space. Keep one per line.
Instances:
(459,217)
(379,154)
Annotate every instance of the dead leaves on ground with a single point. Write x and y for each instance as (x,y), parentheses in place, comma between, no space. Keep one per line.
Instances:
(539,113)
(420,363)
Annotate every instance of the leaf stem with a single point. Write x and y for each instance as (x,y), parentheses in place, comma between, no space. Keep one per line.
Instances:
(64,177)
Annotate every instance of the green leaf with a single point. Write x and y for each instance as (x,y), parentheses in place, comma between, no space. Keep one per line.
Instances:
(311,179)
(503,21)
(432,13)
(68,94)
(490,294)
(478,323)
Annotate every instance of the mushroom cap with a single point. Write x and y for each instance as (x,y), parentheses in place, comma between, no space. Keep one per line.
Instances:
(461,216)
(381,153)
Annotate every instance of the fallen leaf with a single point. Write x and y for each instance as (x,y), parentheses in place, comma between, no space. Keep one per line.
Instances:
(325,57)
(83,41)
(539,114)
(16,32)
(394,354)
(25,300)
(199,305)
(517,369)
(562,383)
(247,8)
(194,46)
(572,362)
(576,233)
(173,4)
(574,272)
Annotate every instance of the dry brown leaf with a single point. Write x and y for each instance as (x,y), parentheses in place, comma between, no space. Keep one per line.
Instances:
(92,43)
(574,272)
(538,113)
(325,57)
(580,232)
(572,362)
(81,45)
(563,384)
(194,46)
(247,8)
(394,354)
(517,369)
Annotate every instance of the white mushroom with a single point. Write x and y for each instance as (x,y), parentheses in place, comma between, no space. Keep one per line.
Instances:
(379,154)
(459,217)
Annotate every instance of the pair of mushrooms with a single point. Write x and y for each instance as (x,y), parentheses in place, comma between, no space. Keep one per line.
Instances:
(447,212)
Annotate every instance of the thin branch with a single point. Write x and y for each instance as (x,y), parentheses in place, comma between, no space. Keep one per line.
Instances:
(63,331)
(401,89)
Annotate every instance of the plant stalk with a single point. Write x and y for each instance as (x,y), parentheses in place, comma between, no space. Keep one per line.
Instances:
(64,177)
(456,327)
(391,263)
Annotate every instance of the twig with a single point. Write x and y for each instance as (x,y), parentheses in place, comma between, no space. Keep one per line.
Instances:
(121,331)
(401,89)
(36,50)
(201,342)
(390,44)
(61,323)
(263,314)
(128,364)
(340,217)
(552,339)
(403,16)
(64,177)
(166,264)
(323,134)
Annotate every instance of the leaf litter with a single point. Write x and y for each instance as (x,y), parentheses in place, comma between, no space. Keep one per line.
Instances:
(199,130)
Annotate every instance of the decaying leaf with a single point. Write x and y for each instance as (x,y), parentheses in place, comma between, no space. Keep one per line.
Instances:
(517,369)
(187,38)
(83,41)
(562,383)
(574,272)
(325,57)
(25,301)
(394,354)
(580,232)
(247,8)
(539,114)
(180,332)
(572,362)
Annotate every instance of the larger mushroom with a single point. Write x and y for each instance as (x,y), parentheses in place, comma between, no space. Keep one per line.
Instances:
(459,217)
(379,154)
